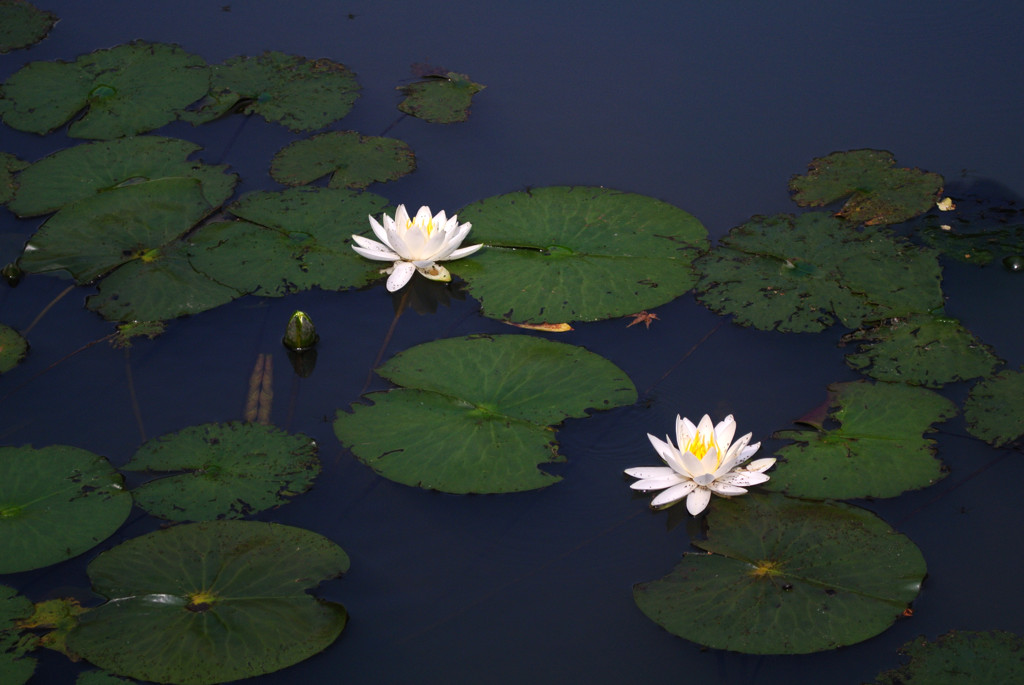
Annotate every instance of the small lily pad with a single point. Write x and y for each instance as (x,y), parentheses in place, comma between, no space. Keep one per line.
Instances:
(302,94)
(86,170)
(977,247)
(475,414)
(211,602)
(354,161)
(22,25)
(441,98)
(55,503)
(922,350)
(878,192)
(13,348)
(223,471)
(122,91)
(15,667)
(877,450)
(563,254)
(785,576)
(960,657)
(804,273)
(995,409)
(9,165)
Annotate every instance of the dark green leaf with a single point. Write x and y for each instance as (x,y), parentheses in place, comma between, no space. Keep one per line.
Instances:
(995,409)
(960,657)
(440,99)
(22,24)
(9,165)
(13,348)
(354,161)
(15,668)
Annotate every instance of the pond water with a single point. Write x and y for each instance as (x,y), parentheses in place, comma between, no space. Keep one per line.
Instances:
(711,107)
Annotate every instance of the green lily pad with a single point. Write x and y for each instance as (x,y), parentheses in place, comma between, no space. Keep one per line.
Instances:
(302,94)
(878,449)
(85,170)
(785,576)
(9,165)
(291,240)
(122,91)
(995,409)
(563,254)
(802,274)
(22,25)
(100,678)
(13,348)
(922,350)
(15,667)
(354,161)
(977,247)
(441,98)
(960,657)
(878,192)
(224,470)
(211,602)
(476,414)
(55,503)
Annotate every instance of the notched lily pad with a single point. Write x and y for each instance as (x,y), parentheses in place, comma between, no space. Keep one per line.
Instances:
(876,450)
(211,602)
(302,94)
(563,254)
(22,24)
(878,192)
(9,165)
(55,503)
(960,657)
(354,161)
(442,98)
(223,471)
(921,350)
(106,94)
(477,414)
(804,273)
(13,348)
(995,409)
(785,576)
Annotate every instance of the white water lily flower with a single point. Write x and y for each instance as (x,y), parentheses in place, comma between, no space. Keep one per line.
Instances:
(415,244)
(706,461)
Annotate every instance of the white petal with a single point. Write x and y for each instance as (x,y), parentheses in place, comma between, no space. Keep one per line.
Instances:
(650,472)
(401,274)
(454,239)
(693,466)
(685,431)
(697,501)
(760,465)
(673,494)
(668,453)
(463,252)
(375,250)
(726,489)
(706,428)
(401,217)
(743,478)
(657,483)
(748,452)
(379,230)
(415,240)
(724,432)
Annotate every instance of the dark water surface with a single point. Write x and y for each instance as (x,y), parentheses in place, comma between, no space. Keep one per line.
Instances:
(709,106)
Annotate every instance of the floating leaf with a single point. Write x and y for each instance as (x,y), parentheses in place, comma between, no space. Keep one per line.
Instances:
(564,254)
(801,274)
(922,350)
(995,409)
(978,247)
(354,161)
(22,25)
(302,94)
(13,348)
(878,193)
(960,657)
(877,450)
(55,503)
(15,668)
(225,470)
(9,165)
(441,99)
(785,576)
(100,678)
(211,602)
(292,240)
(57,616)
(122,91)
(474,414)
(85,170)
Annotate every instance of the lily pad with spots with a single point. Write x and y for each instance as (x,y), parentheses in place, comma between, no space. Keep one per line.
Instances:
(877,449)
(958,657)
(354,161)
(786,576)
(223,470)
(562,254)
(22,24)
(877,191)
(15,667)
(476,414)
(440,98)
(995,409)
(13,348)
(55,503)
(123,91)
(211,602)
(805,273)
(9,165)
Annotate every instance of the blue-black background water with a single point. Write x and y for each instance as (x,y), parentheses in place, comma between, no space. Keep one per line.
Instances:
(709,106)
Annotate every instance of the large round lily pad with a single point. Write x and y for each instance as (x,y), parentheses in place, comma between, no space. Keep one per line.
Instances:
(223,470)
(440,98)
(13,348)
(22,24)
(877,450)
(563,254)
(85,170)
(475,414)
(211,602)
(995,409)
(960,657)
(354,161)
(55,503)
(802,274)
(785,576)
(122,91)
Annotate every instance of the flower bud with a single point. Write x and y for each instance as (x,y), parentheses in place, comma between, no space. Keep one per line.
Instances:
(300,333)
